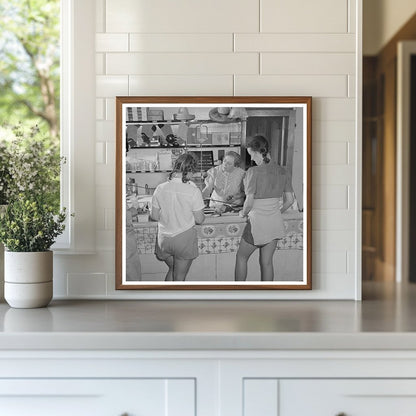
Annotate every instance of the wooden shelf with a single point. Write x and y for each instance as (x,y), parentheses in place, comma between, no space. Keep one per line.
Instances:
(197,146)
(184,121)
(147,171)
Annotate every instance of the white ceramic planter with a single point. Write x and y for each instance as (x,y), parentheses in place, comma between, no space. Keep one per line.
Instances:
(28,279)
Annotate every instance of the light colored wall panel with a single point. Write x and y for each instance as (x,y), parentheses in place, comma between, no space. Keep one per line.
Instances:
(182,16)
(330,196)
(330,153)
(352,16)
(111,86)
(102,196)
(351,196)
(100,15)
(260,397)
(104,175)
(300,16)
(333,175)
(317,38)
(99,109)
(110,153)
(174,42)
(105,130)
(110,109)
(100,64)
(180,397)
(336,262)
(294,42)
(338,286)
(351,86)
(181,63)
(340,109)
(333,240)
(100,152)
(100,218)
(314,85)
(88,263)
(181,85)
(105,240)
(86,284)
(112,42)
(333,219)
(307,63)
(332,130)
(351,153)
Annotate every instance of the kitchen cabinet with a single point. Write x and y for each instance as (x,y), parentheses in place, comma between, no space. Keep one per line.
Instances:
(212,358)
(347,397)
(90,396)
(207,382)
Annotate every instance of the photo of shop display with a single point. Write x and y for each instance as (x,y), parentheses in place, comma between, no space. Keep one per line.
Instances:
(212,195)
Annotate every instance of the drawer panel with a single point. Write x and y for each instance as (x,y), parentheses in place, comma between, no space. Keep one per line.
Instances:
(349,397)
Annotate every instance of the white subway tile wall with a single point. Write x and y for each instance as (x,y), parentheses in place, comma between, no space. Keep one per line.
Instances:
(112,42)
(313,42)
(314,85)
(182,16)
(86,284)
(300,16)
(317,63)
(100,109)
(181,85)
(233,47)
(100,64)
(178,42)
(182,63)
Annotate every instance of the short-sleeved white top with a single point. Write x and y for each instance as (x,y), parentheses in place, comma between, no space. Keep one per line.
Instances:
(177,201)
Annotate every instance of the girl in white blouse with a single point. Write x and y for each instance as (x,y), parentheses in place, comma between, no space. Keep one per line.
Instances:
(177,205)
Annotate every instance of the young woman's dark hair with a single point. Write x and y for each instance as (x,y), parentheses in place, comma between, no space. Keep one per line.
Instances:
(185,163)
(260,144)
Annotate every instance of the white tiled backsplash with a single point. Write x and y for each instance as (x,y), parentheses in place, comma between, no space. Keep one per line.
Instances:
(233,47)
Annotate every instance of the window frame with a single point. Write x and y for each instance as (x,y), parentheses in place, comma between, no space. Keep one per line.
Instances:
(78,126)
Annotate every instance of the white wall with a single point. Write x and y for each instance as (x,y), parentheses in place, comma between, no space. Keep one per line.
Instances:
(234,47)
(381,20)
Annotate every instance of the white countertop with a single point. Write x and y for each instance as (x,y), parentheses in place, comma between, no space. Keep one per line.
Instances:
(383,320)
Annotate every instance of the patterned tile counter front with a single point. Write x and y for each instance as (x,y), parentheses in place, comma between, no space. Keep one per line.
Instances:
(223,234)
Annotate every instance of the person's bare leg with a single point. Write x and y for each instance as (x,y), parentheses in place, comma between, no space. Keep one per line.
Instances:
(180,269)
(245,250)
(170,263)
(266,261)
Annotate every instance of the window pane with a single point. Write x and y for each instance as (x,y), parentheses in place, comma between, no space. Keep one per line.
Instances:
(30,69)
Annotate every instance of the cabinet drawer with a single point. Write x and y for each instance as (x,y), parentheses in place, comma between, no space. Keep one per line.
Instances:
(347,397)
(86,397)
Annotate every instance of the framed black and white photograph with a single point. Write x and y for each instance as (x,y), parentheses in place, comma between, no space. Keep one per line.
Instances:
(213,193)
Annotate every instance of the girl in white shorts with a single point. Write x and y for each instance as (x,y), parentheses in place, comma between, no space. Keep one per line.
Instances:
(177,205)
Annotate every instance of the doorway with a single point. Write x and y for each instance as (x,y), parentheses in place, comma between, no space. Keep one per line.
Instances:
(406,171)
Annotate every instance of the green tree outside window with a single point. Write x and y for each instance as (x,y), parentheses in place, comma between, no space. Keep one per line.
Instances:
(30,68)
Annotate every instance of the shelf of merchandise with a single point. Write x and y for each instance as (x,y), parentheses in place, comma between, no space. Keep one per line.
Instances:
(196,146)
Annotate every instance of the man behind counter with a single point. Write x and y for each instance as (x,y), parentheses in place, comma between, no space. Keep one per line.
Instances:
(224,183)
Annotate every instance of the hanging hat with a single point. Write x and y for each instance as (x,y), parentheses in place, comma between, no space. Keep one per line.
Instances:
(183,115)
(227,114)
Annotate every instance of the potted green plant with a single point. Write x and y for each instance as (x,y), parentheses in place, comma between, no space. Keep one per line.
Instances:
(32,219)
(28,228)
(5,180)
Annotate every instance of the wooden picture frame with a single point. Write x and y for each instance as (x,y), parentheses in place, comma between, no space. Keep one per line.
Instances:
(153,132)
